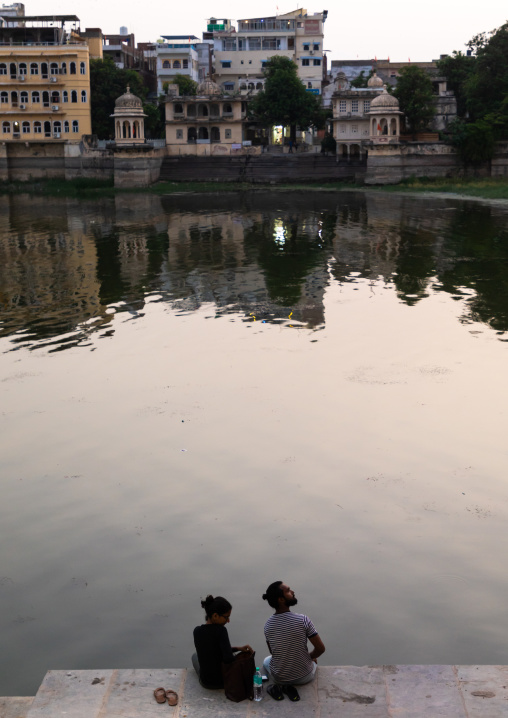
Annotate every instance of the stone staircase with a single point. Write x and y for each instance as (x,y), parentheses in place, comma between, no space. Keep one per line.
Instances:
(265,168)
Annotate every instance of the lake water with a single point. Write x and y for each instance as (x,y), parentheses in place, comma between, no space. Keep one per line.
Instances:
(204,394)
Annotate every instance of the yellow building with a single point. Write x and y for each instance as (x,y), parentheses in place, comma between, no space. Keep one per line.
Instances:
(44,81)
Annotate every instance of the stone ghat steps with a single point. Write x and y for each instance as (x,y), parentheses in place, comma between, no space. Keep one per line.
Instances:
(403,691)
(264,168)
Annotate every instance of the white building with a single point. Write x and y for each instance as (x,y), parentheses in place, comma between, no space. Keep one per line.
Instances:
(241,55)
(176,55)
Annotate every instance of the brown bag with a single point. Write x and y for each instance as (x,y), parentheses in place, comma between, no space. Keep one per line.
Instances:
(239,677)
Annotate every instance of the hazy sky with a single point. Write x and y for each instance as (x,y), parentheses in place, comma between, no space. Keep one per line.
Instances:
(398,29)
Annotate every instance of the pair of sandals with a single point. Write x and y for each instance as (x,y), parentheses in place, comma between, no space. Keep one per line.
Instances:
(277,692)
(162,695)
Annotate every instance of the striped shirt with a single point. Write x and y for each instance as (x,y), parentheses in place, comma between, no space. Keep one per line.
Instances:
(287,634)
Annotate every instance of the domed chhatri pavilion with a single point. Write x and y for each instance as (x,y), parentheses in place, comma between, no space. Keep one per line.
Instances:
(129,120)
(208,123)
(362,115)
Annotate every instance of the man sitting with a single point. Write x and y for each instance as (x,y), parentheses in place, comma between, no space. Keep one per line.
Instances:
(286,633)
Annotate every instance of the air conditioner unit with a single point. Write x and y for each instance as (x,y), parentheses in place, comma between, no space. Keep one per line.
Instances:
(21,78)
(55,108)
(56,135)
(22,107)
(52,79)
(311,52)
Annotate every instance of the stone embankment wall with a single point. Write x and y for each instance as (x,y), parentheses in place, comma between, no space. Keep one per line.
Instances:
(142,166)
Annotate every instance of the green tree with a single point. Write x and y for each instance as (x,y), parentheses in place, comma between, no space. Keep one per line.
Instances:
(458,68)
(487,87)
(284,100)
(155,125)
(186,86)
(107,83)
(361,80)
(415,96)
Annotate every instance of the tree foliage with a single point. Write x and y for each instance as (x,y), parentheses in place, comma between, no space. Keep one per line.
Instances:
(457,68)
(186,86)
(284,100)
(107,83)
(487,85)
(361,80)
(416,98)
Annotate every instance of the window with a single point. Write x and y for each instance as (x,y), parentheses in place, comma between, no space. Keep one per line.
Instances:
(6,128)
(3,68)
(215,134)
(37,128)
(316,62)
(254,43)
(47,128)
(366,105)
(36,97)
(309,85)
(306,47)
(34,68)
(191,134)
(65,96)
(83,96)
(22,68)
(259,85)
(179,134)
(63,68)
(177,65)
(166,64)
(44,70)
(315,46)
(66,126)
(4,97)
(55,97)
(53,68)
(305,62)
(74,96)
(185,64)
(82,68)
(227,134)
(72,68)
(57,126)
(23,97)
(226,64)
(228,109)
(342,105)
(178,109)
(354,105)
(75,126)
(229,86)
(26,127)
(228,45)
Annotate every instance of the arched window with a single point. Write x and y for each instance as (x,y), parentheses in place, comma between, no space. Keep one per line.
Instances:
(309,85)
(118,129)
(191,110)
(4,97)
(126,130)
(202,110)
(55,97)
(6,128)
(15,128)
(82,68)
(25,127)
(65,96)
(228,109)
(23,97)
(203,133)
(22,68)
(178,109)
(72,68)
(13,69)
(259,85)
(36,97)
(136,133)
(37,127)
(45,98)
(63,68)
(191,134)
(34,68)
(215,134)
(3,68)
(47,128)
(53,68)
(166,64)
(251,85)
(57,127)
(214,111)
(44,69)
(243,86)
(66,126)
(177,65)
(75,126)
(83,96)
(14,99)
(74,96)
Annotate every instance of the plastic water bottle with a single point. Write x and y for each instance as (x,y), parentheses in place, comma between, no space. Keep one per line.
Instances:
(258,685)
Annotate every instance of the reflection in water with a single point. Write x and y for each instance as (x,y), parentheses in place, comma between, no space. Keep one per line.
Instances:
(66,266)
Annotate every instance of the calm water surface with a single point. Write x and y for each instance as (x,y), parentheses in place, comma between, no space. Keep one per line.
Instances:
(206,394)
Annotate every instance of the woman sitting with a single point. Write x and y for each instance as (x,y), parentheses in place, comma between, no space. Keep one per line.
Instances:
(212,643)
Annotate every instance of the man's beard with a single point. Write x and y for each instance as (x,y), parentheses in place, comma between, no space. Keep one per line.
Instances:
(291,601)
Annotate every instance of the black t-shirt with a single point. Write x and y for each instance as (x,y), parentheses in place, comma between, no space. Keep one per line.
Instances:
(213,648)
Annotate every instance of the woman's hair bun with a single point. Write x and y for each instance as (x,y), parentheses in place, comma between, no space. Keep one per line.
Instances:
(265,597)
(208,600)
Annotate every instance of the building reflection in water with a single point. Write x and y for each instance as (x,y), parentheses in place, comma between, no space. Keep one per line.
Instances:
(67,266)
